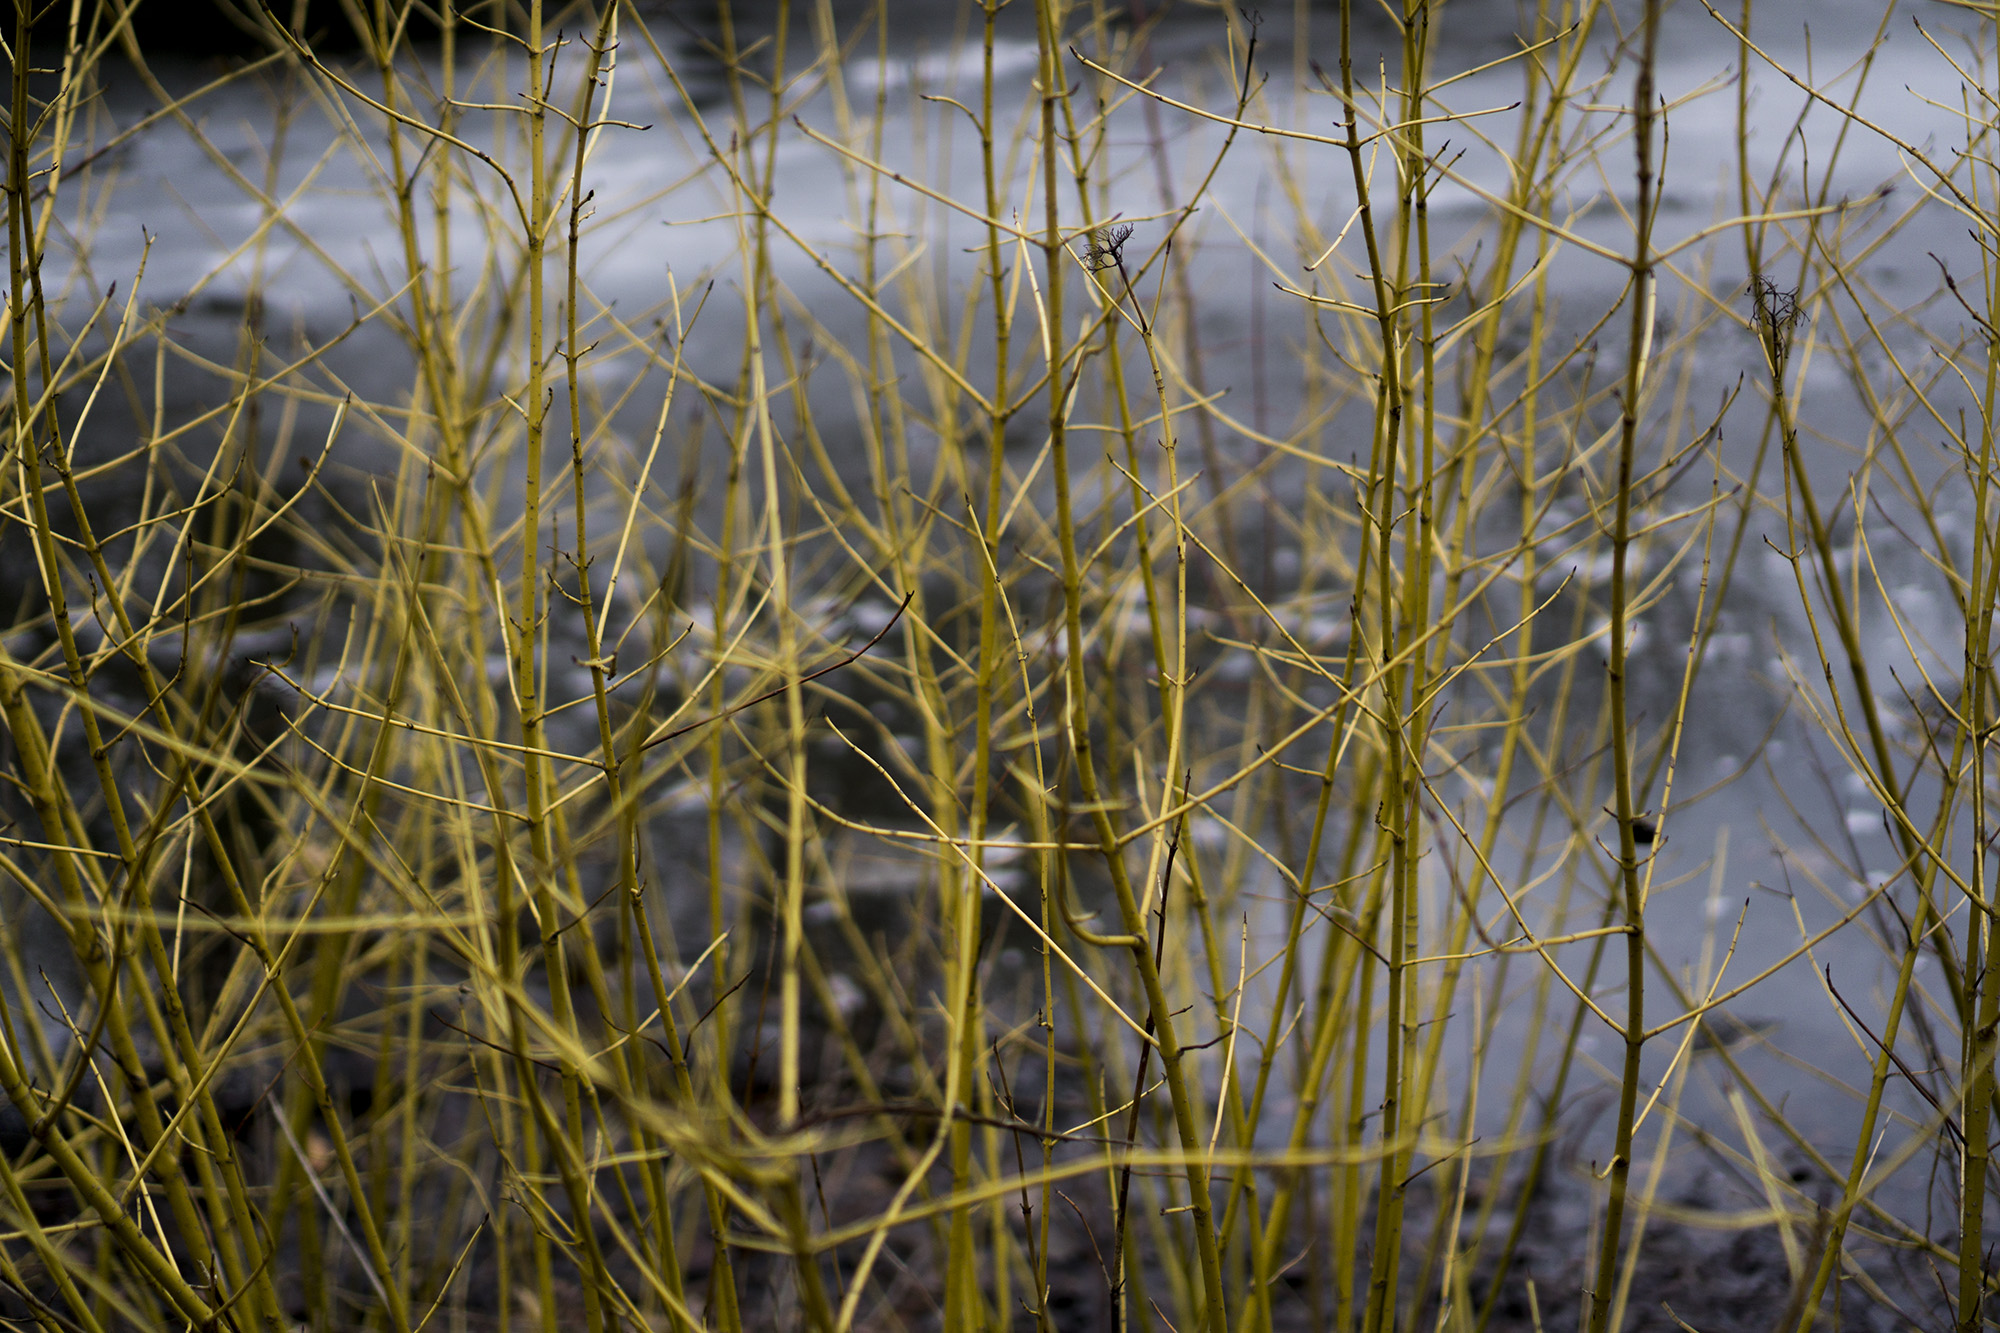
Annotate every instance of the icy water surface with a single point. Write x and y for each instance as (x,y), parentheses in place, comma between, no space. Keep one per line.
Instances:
(663,228)
(176,207)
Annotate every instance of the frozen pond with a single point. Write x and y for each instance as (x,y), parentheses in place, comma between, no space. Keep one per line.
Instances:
(658,230)
(265,230)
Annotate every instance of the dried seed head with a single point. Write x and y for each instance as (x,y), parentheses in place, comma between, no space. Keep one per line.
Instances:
(1777,315)
(1107,247)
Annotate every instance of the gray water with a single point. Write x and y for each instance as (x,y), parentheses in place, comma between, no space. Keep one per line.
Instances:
(661,213)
